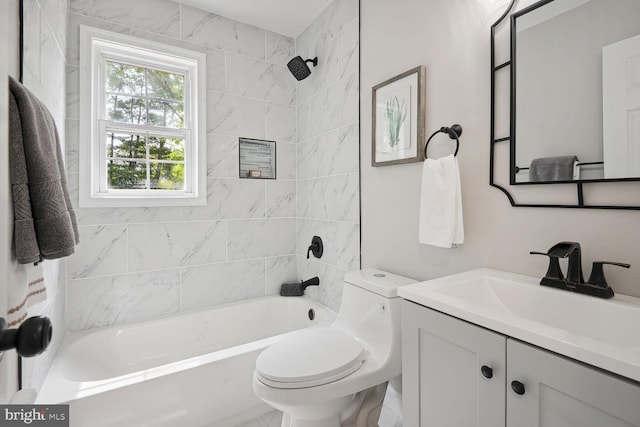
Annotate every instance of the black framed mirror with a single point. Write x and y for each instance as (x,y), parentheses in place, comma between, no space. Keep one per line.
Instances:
(576,91)
(573,74)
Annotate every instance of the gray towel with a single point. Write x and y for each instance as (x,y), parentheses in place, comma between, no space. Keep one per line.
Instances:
(552,169)
(44,222)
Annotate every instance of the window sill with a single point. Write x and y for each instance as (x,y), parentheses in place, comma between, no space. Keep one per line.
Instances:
(141,201)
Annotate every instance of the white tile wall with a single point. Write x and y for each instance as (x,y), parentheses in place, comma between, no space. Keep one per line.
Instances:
(218,32)
(139,263)
(165,15)
(255,78)
(257,229)
(281,122)
(102,251)
(210,285)
(176,244)
(280,270)
(280,49)
(261,238)
(281,199)
(45,28)
(120,299)
(328,150)
(229,114)
(334,198)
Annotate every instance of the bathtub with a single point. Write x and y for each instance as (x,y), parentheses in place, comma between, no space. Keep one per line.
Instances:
(192,369)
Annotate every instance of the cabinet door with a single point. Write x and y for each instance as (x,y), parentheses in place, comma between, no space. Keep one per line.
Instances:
(560,392)
(442,360)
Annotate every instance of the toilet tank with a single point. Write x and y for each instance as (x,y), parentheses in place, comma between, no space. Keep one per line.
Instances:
(380,282)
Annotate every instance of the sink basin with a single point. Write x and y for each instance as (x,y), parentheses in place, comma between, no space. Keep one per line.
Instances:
(603,333)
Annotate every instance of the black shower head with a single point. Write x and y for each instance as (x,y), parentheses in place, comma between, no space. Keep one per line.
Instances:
(299,67)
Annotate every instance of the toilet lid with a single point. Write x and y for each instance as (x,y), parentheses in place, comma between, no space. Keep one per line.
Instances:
(309,358)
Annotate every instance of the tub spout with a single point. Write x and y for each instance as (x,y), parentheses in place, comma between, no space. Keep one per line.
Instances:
(297,289)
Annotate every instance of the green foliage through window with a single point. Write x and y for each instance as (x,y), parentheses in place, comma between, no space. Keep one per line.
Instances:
(129,156)
(144,96)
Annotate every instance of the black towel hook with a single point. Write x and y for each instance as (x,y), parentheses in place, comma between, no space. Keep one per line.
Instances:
(454,132)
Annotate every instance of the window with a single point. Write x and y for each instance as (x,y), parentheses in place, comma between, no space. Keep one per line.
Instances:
(142,122)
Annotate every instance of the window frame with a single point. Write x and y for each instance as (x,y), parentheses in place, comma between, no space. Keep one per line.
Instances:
(96,48)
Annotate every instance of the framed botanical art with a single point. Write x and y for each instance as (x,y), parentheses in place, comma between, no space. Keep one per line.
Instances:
(399,119)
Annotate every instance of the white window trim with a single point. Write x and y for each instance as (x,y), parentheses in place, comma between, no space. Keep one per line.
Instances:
(96,44)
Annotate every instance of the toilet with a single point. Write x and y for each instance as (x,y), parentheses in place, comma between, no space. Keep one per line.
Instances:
(338,375)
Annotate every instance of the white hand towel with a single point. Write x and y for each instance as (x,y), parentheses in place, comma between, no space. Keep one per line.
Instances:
(441,222)
(30,290)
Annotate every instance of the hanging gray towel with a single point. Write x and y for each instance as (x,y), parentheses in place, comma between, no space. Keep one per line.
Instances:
(44,222)
(552,169)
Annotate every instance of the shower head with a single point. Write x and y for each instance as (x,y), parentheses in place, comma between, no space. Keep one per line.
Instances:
(299,67)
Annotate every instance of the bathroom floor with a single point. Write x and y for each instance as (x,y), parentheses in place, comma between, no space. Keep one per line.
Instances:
(272,419)
(391,415)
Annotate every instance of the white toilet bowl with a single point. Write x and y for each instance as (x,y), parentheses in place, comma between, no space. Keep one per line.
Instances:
(337,376)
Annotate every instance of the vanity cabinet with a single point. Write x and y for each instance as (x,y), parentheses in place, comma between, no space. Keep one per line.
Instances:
(457,374)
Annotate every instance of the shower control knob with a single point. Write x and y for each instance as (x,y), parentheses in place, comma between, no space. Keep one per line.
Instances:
(316,248)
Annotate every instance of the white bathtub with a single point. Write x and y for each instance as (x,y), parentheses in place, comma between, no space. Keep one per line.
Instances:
(192,369)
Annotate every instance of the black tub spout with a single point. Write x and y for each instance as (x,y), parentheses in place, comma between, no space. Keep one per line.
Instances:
(297,289)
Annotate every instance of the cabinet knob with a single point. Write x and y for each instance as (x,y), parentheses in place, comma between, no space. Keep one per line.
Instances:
(487,372)
(517,387)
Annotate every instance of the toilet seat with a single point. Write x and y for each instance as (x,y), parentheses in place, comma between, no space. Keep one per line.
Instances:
(310,358)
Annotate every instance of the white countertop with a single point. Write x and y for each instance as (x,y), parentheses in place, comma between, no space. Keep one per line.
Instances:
(603,333)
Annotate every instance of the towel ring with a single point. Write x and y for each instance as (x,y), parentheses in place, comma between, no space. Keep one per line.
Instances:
(454,132)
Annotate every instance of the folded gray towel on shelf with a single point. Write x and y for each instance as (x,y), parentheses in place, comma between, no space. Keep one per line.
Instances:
(45,224)
(552,169)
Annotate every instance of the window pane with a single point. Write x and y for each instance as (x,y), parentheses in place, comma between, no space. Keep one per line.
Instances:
(167,114)
(167,176)
(161,148)
(126,109)
(124,79)
(125,175)
(125,145)
(162,84)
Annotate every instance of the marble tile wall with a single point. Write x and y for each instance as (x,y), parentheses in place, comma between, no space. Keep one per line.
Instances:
(45,34)
(139,263)
(328,189)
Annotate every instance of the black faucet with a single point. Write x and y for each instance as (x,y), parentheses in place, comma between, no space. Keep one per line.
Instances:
(596,285)
(297,289)
(316,247)
(572,251)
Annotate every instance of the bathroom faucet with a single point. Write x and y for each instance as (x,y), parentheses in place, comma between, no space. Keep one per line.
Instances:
(572,251)
(297,289)
(596,285)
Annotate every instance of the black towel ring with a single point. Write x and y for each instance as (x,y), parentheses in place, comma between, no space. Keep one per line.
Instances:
(454,132)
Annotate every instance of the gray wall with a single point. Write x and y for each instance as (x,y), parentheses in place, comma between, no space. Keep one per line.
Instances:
(452,38)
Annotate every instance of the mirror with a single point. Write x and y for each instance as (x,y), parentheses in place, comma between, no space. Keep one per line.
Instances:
(575,99)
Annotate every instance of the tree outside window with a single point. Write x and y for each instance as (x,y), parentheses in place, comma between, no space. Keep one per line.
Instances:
(147,160)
